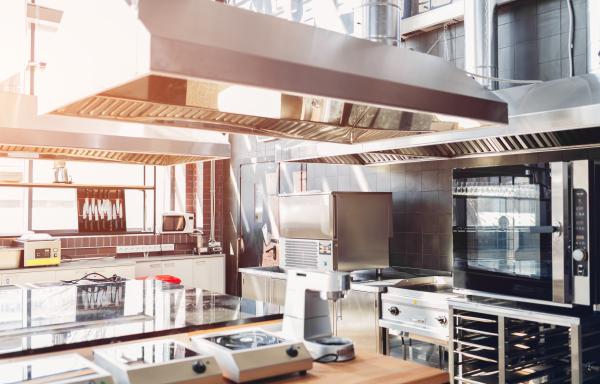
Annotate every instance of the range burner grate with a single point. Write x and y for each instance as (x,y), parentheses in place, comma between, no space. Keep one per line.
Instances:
(246,340)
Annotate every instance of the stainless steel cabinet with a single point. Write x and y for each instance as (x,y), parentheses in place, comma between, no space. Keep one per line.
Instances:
(263,288)
(357,318)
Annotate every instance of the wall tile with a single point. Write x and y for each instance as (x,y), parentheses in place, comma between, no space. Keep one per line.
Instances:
(551,70)
(429,181)
(549,49)
(506,35)
(548,23)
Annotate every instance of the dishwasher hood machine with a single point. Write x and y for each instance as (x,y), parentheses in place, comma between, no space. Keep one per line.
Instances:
(335,231)
(201,64)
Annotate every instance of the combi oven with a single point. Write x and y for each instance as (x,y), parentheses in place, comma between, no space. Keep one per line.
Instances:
(528,232)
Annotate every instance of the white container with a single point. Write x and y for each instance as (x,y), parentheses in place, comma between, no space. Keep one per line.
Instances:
(10,258)
(11,177)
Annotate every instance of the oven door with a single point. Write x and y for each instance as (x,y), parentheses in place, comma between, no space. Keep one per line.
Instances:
(507,231)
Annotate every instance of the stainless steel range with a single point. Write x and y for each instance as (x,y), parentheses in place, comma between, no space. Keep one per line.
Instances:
(416,310)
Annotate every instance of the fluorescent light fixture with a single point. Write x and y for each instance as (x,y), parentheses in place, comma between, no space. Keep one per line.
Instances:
(250,101)
(461,121)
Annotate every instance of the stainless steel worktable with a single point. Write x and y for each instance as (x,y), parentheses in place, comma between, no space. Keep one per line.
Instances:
(52,317)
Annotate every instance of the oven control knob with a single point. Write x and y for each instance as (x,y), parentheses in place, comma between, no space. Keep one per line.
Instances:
(394,311)
(199,367)
(443,320)
(579,255)
(292,352)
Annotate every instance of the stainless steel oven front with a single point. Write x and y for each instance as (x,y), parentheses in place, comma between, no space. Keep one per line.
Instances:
(525,232)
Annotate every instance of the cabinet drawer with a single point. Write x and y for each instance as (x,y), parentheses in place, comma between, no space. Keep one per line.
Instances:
(28,277)
(148,268)
(183,269)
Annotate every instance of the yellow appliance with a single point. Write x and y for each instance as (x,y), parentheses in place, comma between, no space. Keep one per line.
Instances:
(39,253)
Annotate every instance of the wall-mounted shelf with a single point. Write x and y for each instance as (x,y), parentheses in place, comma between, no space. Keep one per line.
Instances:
(62,185)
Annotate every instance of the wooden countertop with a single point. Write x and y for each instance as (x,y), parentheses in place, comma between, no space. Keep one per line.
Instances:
(366,368)
(370,368)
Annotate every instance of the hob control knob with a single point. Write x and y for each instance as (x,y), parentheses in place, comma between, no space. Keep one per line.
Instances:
(199,367)
(443,320)
(292,352)
(579,255)
(394,311)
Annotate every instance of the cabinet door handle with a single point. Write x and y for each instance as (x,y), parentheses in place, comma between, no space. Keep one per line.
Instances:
(169,264)
(154,265)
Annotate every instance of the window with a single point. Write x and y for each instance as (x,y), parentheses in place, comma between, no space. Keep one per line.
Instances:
(30,201)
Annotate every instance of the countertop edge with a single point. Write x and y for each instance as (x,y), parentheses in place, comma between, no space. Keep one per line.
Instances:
(117,262)
(148,335)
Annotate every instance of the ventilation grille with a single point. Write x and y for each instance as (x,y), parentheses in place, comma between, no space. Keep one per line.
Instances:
(102,155)
(536,142)
(300,253)
(147,112)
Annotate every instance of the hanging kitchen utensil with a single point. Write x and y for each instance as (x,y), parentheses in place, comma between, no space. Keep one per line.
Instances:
(101,210)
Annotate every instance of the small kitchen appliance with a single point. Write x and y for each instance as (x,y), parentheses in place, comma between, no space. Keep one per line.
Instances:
(62,369)
(40,250)
(335,231)
(306,314)
(417,309)
(527,232)
(177,222)
(253,353)
(162,361)
(10,257)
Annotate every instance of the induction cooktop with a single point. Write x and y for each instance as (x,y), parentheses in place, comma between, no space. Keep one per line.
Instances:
(246,340)
(159,361)
(254,353)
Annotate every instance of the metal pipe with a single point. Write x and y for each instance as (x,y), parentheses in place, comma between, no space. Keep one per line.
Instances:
(379,20)
(481,41)
(593,31)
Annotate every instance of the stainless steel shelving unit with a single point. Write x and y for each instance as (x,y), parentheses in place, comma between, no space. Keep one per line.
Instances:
(495,342)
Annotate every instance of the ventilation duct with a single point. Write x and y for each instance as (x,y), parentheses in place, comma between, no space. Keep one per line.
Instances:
(199,72)
(481,40)
(379,20)
(558,114)
(23,131)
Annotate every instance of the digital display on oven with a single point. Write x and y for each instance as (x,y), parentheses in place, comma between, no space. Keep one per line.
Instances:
(43,253)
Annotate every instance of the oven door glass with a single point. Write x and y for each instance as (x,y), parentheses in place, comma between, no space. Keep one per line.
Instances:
(502,230)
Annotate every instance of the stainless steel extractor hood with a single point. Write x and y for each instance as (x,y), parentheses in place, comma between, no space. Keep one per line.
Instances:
(24,133)
(200,64)
(558,114)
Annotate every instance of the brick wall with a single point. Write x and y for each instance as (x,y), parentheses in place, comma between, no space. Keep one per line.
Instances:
(94,246)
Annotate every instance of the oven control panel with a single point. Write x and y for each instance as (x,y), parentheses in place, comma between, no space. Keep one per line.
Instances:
(580,233)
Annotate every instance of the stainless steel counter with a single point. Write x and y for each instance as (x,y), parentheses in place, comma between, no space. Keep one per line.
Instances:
(48,317)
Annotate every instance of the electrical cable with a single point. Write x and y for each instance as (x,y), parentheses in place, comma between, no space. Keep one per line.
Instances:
(327,358)
(571,37)
(102,279)
(499,79)
(446,57)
